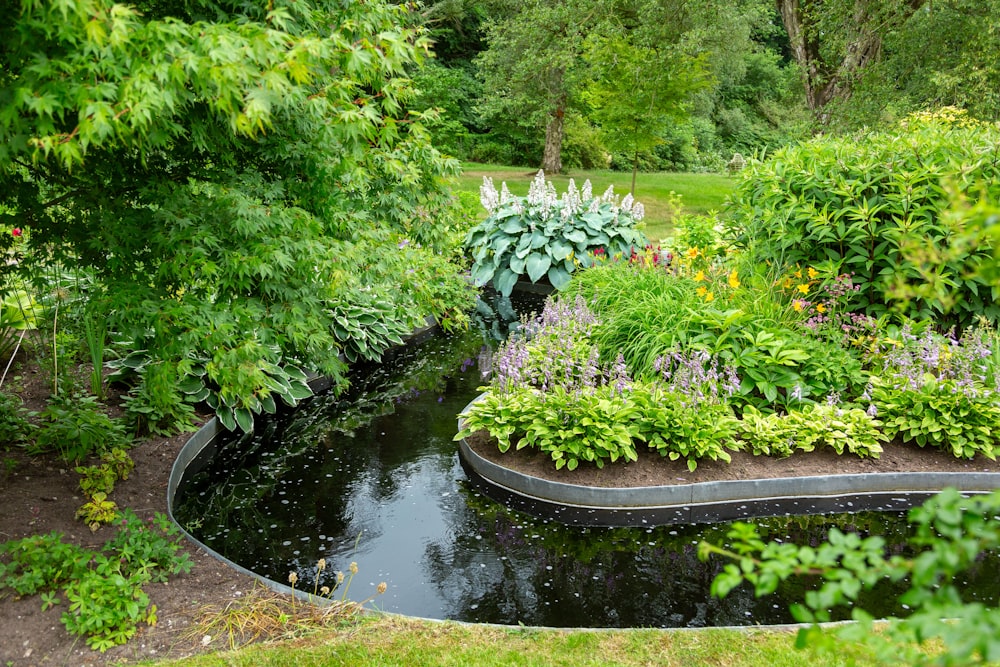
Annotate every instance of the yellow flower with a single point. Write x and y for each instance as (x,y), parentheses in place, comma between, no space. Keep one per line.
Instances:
(803,288)
(734,281)
(820,308)
(812,272)
(798,274)
(797,306)
(698,277)
(701,291)
(709,296)
(692,252)
(787,284)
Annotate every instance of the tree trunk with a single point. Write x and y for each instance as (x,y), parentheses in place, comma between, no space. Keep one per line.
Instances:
(824,80)
(552,157)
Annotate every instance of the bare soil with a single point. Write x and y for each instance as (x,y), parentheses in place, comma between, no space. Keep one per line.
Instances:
(40,495)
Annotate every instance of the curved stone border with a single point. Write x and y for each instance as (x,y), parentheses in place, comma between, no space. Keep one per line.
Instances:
(682,500)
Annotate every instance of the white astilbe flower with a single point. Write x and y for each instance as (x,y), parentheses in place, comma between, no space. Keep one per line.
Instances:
(588,191)
(626,204)
(488,195)
(609,194)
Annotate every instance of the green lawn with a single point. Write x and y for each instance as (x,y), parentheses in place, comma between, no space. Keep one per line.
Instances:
(700,193)
(400,641)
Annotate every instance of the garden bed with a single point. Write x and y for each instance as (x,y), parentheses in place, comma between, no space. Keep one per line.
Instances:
(651,469)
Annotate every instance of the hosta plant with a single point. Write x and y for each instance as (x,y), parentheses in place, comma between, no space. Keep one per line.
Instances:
(543,235)
(843,429)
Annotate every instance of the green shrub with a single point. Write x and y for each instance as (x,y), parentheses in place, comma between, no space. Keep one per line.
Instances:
(843,429)
(852,205)
(75,427)
(543,236)
(14,427)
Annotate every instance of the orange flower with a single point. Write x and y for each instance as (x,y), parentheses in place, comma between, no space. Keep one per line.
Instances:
(692,252)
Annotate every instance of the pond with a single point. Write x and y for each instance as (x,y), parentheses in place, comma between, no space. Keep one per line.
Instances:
(373,477)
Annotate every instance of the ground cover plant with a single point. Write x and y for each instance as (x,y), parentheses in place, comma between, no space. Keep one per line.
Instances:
(103,589)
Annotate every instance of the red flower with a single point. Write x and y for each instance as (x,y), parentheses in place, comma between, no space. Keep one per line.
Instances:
(16,231)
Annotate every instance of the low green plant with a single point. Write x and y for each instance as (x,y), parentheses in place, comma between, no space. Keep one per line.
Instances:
(14,426)
(106,607)
(115,464)
(96,479)
(149,548)
(41,563)
(103,588)
(843,429)
(949,534)
(570,427)
(98,510)
(544,236)
(366,324)
(675,428)
(75,427)
(942,414)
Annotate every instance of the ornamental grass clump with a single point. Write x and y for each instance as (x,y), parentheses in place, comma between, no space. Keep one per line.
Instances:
(543,235)
(942,391)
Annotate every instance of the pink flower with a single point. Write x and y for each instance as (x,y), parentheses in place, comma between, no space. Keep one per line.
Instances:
(16,231)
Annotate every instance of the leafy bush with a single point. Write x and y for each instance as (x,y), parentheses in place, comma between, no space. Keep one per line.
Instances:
(75,427)
(544,236)
(842,429)
(941,391)
(852,205)
(942,414)
(949,534)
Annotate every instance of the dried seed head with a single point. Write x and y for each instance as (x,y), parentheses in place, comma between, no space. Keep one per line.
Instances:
(381,588)
(340,577)
(292,578)
(321,565)
(354,568)
(325,590)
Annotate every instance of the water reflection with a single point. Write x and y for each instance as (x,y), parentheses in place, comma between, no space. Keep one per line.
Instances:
(374,478)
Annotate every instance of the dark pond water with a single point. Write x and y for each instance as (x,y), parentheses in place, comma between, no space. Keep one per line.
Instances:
(374,478)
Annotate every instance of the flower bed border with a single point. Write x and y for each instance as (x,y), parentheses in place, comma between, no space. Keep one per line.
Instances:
(702,502)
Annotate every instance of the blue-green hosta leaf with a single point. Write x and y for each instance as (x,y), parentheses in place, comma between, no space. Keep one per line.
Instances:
(481,274)
(517,264)
(559,277)
(500,245)
(539,239)
(559,250)
(576,236)
(513,226)
(537,264)
(504,281)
